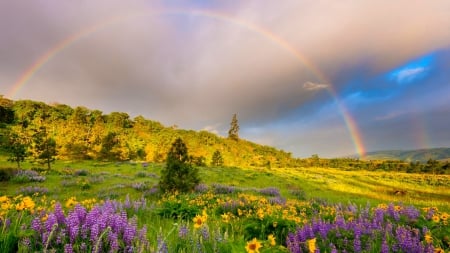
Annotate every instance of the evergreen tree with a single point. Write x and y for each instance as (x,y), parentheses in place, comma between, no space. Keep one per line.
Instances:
(179,174)
(233,133)
(217,159)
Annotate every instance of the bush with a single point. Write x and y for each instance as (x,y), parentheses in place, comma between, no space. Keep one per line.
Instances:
(6,174)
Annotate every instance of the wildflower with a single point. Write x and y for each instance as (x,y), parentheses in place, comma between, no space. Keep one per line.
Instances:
(436,218)
(444,216)
(428,237)
(439,250)
(225,218)
(271,240)
(311,245)
(199,220)
(260,213)
(253,246)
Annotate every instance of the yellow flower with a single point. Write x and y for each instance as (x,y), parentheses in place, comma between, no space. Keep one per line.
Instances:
(260,213)
(436,218)
(253,246)
(198,221)
(4,199)
(72,201)
(271,239)
(428,237)
(225,218)
(444,216)
(311,245)
(439,250)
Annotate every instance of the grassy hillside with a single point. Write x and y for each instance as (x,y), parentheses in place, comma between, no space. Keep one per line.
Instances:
(422,155)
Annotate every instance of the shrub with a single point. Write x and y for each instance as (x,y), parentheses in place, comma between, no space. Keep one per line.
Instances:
(6,174)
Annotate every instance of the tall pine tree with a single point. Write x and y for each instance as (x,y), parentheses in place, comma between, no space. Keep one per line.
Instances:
(233,133)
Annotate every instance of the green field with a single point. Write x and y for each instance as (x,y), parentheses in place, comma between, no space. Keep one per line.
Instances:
(115,181)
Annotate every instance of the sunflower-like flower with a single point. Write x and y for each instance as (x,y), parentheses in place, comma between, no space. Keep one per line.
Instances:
(199,220)
(311,245)
(253,246)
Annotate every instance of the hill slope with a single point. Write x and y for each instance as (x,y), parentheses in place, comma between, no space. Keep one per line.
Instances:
(410,155)
(82,134)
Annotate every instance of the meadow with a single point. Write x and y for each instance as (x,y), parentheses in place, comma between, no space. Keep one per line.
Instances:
(116,207)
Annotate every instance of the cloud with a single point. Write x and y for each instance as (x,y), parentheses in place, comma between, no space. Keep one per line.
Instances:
(245,57)
(408,75)
(314,86)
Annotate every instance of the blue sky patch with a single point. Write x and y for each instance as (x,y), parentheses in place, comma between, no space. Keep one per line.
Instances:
(413,70)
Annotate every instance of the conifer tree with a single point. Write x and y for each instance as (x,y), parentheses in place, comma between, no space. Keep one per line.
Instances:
(179,174)
(233,133)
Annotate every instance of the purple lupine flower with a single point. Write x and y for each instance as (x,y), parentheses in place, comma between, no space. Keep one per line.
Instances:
(205,233)
(183,231)
(68,248)
(161,245)
(51,220)
(384,246)
(357,244)
(36,224)
(113,240)
(59,213)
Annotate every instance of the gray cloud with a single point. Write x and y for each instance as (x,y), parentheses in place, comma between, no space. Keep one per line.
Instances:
(195,70)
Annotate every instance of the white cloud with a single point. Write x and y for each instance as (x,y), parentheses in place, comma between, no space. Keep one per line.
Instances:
(409,74)
(315,86)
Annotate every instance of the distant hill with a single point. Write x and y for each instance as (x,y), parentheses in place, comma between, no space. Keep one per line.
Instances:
(422,155)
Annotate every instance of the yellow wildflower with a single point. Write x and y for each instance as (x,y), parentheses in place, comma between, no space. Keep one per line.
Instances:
(199,220)
(436,218)
(225,218)
(428,237)
(4,199)
(311,245)
(271,239)
(253,246)
(438,250)
(260,213)
(444,216)
(72,201)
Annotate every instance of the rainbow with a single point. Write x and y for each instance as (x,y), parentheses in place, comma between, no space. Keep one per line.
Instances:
(267,34)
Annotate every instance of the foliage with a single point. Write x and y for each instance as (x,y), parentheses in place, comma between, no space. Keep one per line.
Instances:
(233,133)
(178,175)
(217,159)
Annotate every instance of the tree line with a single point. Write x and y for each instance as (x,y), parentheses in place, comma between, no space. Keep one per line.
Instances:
(40,132)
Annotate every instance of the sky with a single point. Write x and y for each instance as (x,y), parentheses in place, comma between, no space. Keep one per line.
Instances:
(333,78)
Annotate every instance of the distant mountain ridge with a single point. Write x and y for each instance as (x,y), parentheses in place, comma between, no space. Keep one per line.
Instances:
(422,155)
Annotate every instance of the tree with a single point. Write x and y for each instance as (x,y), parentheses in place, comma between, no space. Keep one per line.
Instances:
(16,147)
(217,159)
(44,147)
(233,133)
(179,174)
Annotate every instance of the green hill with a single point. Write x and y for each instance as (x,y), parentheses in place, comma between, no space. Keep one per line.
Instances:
(85,134)
(422,155)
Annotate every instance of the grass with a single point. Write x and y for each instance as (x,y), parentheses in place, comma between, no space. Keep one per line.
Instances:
(89,179)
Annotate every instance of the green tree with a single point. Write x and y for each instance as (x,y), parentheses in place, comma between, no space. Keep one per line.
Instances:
(44,147)
(179,174)
(217,159)
(233,133)
(16,147)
